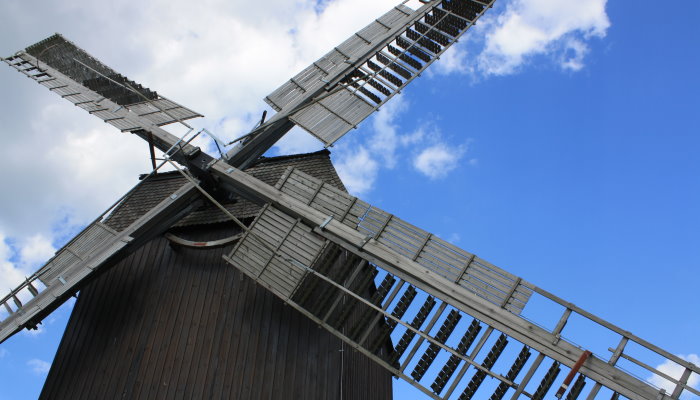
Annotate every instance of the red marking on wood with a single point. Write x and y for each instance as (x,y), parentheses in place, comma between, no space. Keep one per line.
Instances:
(572,373)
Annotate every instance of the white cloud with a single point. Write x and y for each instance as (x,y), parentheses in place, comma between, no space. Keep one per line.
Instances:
(10,275)
(557,28)
(18,261)
(298,141)
(3,353)
(358,170)
(385,140)
(36,249)
(438,160)
(676,371)
(34,332)
(454,60)
(359,161)
(572,58)
(39,367)
(502,44)
(454,238)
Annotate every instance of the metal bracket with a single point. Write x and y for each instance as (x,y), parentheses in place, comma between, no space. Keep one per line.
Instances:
(556,340)
(364,242)
(326,222)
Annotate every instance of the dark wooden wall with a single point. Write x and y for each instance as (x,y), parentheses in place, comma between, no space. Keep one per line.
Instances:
(182,324)
(178,323)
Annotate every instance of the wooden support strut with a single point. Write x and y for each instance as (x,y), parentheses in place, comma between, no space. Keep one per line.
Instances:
(528,376)
(348,283)
(277,248)
(427,330)
(681,383)
(511,292)
(466,267)
(473,355)
(318,189)
(383,227)
(152,150)
(347,210)
(613,360)
(422,246)
(377,317)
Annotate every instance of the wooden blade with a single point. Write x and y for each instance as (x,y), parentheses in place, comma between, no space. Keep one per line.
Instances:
(70,72)
(86,82)
(286,250)
(338,91)
(385,57)
(97,247)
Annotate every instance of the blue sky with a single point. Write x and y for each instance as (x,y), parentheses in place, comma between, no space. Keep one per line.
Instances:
(559,141)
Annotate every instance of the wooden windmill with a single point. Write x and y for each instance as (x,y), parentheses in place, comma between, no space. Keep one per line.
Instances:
(439,317)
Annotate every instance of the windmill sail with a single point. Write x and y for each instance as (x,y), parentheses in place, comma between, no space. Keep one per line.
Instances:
(97,246)
(338,91)
(285,250)
(80,71)
(365,71)
(76,76)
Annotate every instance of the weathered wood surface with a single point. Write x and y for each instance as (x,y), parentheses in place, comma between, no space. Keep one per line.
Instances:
(342,88)
(476,275)
(549,344)
(84,256)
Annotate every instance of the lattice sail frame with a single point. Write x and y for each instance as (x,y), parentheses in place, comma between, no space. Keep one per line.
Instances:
(67,70)
(448,333)
(364,72)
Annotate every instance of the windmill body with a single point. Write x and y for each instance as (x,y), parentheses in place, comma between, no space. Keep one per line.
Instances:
(426,311)
(174,320)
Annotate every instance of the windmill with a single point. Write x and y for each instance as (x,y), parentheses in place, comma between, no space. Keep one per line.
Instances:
(328,99)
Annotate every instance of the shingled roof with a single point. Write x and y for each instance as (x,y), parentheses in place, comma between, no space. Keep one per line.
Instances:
(269,170)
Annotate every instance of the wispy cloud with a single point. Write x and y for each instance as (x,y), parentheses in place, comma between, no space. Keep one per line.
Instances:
(36,249)
(39,367)
(3,353)
(298,141)
(388,143)
(676,371)
(358,170)
(359,160)
(504,43)
(548,27)
(10,274)
(438,160)
(40,330)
